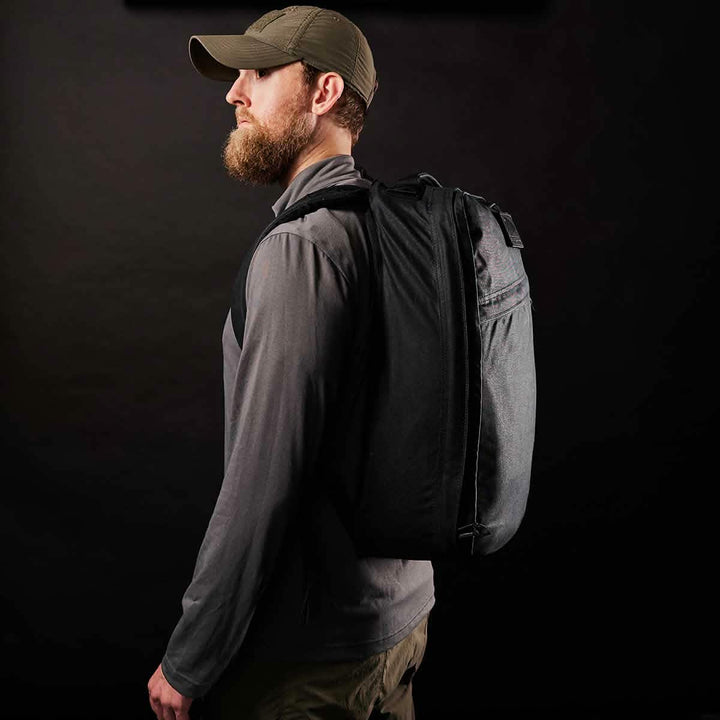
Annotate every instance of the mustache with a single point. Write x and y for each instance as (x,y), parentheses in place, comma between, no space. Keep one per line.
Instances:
(239,116)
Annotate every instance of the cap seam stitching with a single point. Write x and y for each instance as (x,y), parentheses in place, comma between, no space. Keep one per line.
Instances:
(301,30)
(270,21)
(357,55)
(271,44)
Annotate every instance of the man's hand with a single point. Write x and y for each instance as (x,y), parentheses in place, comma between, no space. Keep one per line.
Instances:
(167,703)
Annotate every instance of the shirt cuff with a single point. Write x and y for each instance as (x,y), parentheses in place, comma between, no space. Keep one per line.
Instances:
(183,685)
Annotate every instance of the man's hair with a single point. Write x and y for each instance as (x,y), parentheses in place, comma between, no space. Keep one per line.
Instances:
(349,111)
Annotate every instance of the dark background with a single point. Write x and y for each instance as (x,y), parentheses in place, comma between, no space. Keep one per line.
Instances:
(121,235)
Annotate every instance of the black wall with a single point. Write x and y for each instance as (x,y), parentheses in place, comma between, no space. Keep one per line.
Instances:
(121,236)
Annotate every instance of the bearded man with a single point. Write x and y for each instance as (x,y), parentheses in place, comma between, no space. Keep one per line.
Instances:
(281,618)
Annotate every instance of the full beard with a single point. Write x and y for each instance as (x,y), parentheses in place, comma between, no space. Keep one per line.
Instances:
(261,155)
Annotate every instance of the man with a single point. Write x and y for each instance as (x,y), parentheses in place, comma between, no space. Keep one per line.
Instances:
(282,619)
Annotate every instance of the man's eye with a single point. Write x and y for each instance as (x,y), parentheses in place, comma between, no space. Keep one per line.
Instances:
(261,72)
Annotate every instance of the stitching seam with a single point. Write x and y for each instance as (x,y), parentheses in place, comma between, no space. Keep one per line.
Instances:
(301,30)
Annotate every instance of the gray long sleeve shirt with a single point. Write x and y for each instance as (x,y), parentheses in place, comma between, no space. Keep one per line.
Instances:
(276,576)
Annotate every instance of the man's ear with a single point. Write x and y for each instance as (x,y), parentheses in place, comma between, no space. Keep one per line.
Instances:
(328,88)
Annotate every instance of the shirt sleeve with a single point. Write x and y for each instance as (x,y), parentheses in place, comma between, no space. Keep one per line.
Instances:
(297,332)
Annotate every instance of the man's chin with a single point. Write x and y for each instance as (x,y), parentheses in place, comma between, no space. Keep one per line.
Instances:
(256,163)
(255,155)
(244,162)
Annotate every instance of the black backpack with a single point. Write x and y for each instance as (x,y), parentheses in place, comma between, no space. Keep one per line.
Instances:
(450,436)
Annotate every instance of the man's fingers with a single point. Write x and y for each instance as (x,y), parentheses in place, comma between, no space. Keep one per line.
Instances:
(182,708)
(182,713)
(155,695)
(166,702)
(156,707)
(169,713)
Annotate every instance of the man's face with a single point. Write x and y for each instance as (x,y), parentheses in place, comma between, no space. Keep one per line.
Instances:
(274,123)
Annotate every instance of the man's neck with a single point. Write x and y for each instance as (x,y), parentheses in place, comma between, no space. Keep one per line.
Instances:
(314,152)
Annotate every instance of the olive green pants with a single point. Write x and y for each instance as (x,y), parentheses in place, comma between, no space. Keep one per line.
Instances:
(379,686)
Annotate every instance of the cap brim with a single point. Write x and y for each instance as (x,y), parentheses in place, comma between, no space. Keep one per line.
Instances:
(219,57)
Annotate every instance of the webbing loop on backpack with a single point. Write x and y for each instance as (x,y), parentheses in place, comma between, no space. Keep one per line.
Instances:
(510,231)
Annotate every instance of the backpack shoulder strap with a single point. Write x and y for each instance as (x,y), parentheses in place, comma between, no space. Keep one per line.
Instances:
(337,196)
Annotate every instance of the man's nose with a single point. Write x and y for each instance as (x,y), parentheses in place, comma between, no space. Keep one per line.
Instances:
(238,95)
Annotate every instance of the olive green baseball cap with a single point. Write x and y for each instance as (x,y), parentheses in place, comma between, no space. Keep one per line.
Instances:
(323,38)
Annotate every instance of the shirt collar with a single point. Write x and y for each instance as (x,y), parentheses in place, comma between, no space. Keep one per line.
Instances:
(335,170)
